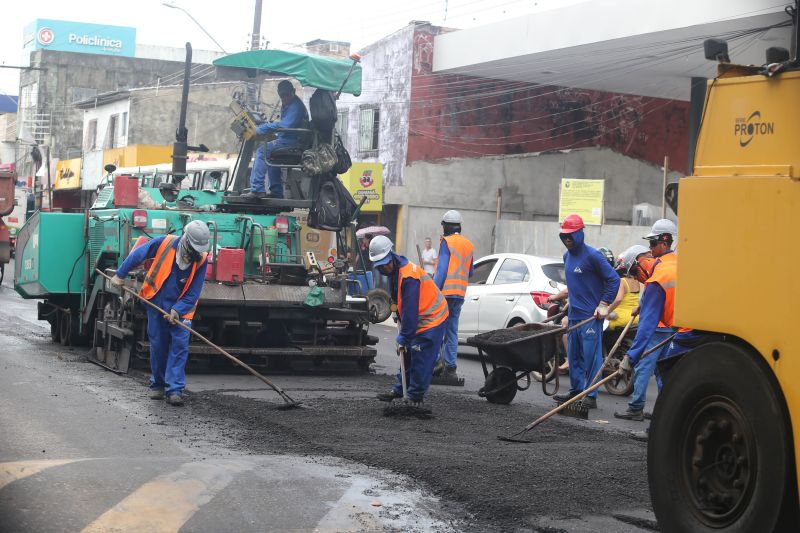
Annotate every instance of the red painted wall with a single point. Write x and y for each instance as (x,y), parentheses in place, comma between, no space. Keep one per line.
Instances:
(463,116)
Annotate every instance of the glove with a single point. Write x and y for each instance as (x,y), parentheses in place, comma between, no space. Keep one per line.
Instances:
(173,317)
(118,281)
(602,311)
(625,366)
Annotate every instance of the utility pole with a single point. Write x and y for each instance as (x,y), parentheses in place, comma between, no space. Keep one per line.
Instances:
(255,40)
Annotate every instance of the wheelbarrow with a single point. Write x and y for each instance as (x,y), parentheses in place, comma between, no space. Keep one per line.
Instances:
(513,353)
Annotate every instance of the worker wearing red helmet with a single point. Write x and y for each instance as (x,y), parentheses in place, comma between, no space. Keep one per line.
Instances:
(592,285)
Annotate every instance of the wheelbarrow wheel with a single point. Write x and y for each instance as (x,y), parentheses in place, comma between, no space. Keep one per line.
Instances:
(622,385)
(497,378)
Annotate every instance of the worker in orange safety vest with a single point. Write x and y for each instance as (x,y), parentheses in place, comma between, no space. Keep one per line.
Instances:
(452,277)
(173,282)
(422,312)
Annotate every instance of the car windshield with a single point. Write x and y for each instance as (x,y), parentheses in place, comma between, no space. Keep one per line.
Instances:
(555,272)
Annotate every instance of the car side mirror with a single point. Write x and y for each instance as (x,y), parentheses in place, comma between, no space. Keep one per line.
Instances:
(553,284)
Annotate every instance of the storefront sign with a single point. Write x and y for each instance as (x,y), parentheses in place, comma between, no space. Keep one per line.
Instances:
(45,34)
(365,180)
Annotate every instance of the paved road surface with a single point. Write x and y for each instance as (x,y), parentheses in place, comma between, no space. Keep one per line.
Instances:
(83,450)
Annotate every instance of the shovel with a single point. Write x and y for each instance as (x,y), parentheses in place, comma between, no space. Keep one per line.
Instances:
(289,403)
(576,398)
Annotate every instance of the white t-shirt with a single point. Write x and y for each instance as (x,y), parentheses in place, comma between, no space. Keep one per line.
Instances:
(429,255)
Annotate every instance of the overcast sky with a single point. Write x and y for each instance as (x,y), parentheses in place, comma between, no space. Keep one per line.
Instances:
(230,22)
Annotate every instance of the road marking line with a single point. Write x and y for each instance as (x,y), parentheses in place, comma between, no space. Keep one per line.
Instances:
(164,504)
(10,472)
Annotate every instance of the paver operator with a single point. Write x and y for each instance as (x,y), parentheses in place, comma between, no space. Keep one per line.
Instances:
(656,310)
(593,286)
(422,312)
(453,270)
(293,115)
(173,283)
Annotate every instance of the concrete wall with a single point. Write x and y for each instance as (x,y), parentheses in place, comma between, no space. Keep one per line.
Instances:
(154,115)
(386,85)
(541,238)
(530,190)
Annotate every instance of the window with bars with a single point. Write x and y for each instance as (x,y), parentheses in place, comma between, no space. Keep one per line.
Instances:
(341,124)
(368,129)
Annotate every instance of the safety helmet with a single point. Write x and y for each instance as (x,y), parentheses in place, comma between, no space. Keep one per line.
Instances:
(661,227)
(197,236)
(379,250)
(608,254)
(572,224)
(629,257)
(452,217)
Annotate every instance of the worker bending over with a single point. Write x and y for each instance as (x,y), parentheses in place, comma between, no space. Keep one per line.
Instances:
(452,276)
(656,311)
(173,283)
(422,311)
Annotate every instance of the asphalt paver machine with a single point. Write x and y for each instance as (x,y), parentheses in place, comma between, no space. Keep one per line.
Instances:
(255,301)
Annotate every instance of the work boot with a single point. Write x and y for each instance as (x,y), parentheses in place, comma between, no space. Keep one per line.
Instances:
(388,396)
(648,415)
(641,436)
(416,403)
(631,414)
(589,402)
(561,398)
(156,394)
(175,399)
(450,373)
(254,194)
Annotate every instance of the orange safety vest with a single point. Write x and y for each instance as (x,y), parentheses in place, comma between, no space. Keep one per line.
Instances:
(162,267)
(432,305)
(665,274)
(461,250)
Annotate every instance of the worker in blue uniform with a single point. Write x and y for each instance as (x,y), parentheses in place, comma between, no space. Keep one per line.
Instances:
(293,115)
(453,270)
(422,312)
(656,317)
(173,282)
(593,286)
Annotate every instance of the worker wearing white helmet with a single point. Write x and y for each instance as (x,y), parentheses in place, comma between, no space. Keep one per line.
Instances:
(452,276)
(656,311)
(422,312)
(173,282)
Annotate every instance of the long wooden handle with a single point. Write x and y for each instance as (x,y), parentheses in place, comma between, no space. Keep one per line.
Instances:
(233,358)
(613,350)
(594,387)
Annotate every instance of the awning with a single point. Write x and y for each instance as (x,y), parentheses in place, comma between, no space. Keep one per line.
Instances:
(310,70)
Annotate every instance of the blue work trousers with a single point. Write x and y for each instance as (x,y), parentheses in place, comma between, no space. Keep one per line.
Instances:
(420,358)
(450,344)
(645,368)
(169,350)
(261,169)
(585,355)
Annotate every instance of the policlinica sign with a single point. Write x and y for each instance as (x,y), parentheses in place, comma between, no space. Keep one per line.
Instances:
(66,36)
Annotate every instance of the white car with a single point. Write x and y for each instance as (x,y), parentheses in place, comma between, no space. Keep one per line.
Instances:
(506,290)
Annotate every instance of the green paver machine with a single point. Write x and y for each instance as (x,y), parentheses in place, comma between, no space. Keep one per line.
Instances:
(263,300)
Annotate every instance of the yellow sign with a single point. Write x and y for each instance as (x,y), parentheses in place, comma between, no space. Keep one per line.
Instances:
(68,174)
(365,180)
(584,198)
